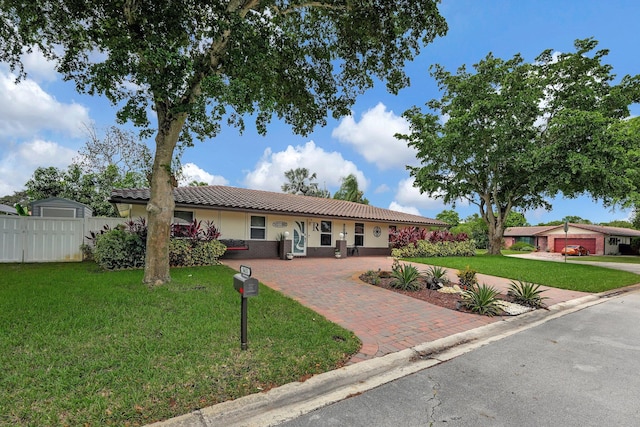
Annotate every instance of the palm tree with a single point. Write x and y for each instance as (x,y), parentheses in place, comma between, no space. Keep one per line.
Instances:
(349,191)
(300,182)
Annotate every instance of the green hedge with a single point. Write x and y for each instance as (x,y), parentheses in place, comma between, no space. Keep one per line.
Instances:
(187,253)
(119,249)
(425,249)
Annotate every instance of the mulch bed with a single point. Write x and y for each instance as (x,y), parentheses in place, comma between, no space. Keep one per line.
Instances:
(441,299)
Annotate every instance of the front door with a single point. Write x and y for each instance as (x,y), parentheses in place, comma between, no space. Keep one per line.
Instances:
(299,238)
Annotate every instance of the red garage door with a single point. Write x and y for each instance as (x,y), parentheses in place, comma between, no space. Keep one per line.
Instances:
(590,244)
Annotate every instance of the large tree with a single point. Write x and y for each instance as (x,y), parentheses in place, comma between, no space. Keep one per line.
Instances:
(92,189)
(196,63)
(350,191)
(116,148)
(512,134)
(300,181)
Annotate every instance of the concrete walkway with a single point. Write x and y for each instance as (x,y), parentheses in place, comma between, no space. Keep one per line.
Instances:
(386,322)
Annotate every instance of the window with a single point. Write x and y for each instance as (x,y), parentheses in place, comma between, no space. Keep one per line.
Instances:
(181,222)
(58,212)
(258,227)
(325,233)
(358,235)
(528,240)
(183,215)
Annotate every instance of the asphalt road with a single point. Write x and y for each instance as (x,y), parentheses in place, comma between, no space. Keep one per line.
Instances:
(577,370)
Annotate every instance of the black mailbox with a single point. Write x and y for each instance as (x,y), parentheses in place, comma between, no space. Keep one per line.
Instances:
(247,286)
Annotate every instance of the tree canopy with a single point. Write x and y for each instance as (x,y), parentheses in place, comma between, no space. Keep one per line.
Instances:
(512,134)
(449,216)
(300,181)
(350,191)
(195,64)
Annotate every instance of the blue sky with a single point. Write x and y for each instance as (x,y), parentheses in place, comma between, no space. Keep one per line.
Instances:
(42,119)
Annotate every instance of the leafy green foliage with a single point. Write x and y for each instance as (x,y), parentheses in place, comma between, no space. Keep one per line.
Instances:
(481,299)
(405,277)
(526,293)
(522,246)
(118,249)
(467,278)
(186,253)
(426,249)
(349,191)
(512,122)
(371,277)
(436,277)
(449,216)
(190,245)
(300,182)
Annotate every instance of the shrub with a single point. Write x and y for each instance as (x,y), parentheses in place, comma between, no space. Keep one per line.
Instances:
(407,236)
(405,277)
(371,277)
(526,293)
(124,247)
(522,246)
(482,300)
(467,278)
(207,252)
(187,253)
(119,249)
(436,277)
(426,249)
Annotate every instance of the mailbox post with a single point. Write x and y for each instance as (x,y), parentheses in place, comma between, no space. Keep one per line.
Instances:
(247,287)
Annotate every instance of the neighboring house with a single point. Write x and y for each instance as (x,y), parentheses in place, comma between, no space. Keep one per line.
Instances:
(7,210)
(598,239)
(258,218)
(56,207)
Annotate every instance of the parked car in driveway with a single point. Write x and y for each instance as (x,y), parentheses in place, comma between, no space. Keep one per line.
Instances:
(574,250)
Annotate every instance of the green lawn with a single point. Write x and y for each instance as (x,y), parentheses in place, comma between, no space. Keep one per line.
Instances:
(83,347)
(623,259)
(577,277)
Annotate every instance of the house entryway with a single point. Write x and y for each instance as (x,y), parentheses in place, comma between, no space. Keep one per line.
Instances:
(299,238)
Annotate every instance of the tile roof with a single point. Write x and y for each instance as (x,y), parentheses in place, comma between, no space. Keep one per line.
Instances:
(610,231)
(232,198)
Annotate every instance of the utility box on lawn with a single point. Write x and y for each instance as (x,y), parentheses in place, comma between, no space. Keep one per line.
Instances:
(247,286)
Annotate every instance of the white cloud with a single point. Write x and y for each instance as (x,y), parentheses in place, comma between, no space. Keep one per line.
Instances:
(192,172)
(330,167)
(25,110)
(394,206)
(38,67)
(19,161)
(382,189)
(373,137)
(407,194)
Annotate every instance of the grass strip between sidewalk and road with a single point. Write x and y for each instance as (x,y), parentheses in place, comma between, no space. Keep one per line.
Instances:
(575,277)
(80,346)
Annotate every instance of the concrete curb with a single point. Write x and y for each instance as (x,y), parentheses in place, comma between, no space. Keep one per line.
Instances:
(294,399)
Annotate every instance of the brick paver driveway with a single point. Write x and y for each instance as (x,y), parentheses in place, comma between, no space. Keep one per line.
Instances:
(385,321)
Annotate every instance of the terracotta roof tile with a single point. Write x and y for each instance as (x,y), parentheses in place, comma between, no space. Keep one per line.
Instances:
(232,198)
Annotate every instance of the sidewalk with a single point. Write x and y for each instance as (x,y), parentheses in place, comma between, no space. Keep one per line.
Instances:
(400,334)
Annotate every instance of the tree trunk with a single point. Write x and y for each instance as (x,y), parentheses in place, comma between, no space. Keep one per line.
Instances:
(495,241)
(494,225)
(161,205)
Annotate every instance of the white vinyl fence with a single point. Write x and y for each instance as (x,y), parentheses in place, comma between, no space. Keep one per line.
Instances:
(35,239)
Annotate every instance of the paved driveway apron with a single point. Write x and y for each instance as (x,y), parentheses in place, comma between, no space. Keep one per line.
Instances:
(385,321)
